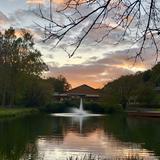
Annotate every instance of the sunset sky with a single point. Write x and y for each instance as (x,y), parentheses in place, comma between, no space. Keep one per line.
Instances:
(93,64)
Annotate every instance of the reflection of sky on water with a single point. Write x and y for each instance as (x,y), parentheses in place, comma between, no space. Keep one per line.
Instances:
(96,142)
(55,138)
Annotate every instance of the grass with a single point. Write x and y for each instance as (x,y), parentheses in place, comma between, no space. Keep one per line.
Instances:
(15,112)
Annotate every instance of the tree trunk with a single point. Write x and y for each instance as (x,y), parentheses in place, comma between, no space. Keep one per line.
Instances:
(4,97)
(124,105)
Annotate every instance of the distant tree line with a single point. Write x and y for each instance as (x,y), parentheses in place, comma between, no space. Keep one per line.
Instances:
(21,68)
(140,87)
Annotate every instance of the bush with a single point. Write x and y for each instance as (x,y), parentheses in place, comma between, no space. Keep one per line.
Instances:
(94,107)
(99,108)
(112,108)
(102,108)
(58,107)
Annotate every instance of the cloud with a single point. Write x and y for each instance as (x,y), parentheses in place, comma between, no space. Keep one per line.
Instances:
(6,21)
(3,19)
(99,71)
(35,1)
(94,74)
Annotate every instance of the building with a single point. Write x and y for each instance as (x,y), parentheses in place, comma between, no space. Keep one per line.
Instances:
(84,90)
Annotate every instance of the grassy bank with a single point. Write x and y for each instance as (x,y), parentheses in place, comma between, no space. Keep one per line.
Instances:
(15,112)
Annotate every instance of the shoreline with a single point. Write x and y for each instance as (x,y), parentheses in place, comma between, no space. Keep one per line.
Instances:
(153,114)
(16,112)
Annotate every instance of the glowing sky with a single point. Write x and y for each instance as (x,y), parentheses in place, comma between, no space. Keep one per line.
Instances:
(93,64)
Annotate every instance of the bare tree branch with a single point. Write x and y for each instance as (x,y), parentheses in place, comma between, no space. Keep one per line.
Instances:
(137,19)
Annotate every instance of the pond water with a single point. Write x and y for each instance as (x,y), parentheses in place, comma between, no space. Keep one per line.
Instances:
(45,137)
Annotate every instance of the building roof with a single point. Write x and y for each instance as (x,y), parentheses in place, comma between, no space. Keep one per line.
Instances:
(83,90)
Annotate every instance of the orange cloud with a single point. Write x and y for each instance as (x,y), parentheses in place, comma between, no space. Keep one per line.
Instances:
(35,1)
(99,72)
(58,1)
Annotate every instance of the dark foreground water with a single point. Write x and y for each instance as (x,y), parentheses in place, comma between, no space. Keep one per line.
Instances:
(56,138)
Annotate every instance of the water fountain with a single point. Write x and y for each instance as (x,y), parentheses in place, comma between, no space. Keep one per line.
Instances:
(77,112)
(81,106)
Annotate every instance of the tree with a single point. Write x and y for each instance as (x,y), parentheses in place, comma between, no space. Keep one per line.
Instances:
(156,75)
(122,89)
(137,18)
(147,76)
(18,60)
(141,87)
(146,94)
(37,93)
(59,84)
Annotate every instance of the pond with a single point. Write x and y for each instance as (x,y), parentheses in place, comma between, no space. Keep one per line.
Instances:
(45,137)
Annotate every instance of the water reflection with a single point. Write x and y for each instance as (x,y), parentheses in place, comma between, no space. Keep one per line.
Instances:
(48,138)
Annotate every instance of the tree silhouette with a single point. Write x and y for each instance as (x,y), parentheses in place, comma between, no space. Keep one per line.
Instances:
(137,19)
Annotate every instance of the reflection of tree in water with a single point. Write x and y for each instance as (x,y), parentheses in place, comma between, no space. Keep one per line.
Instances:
(117,129)
(13,139)
(18,137)
(142,131)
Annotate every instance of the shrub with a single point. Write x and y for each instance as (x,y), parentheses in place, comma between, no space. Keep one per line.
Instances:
(58,107)
(99,108)
(112,108)
(102,108)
